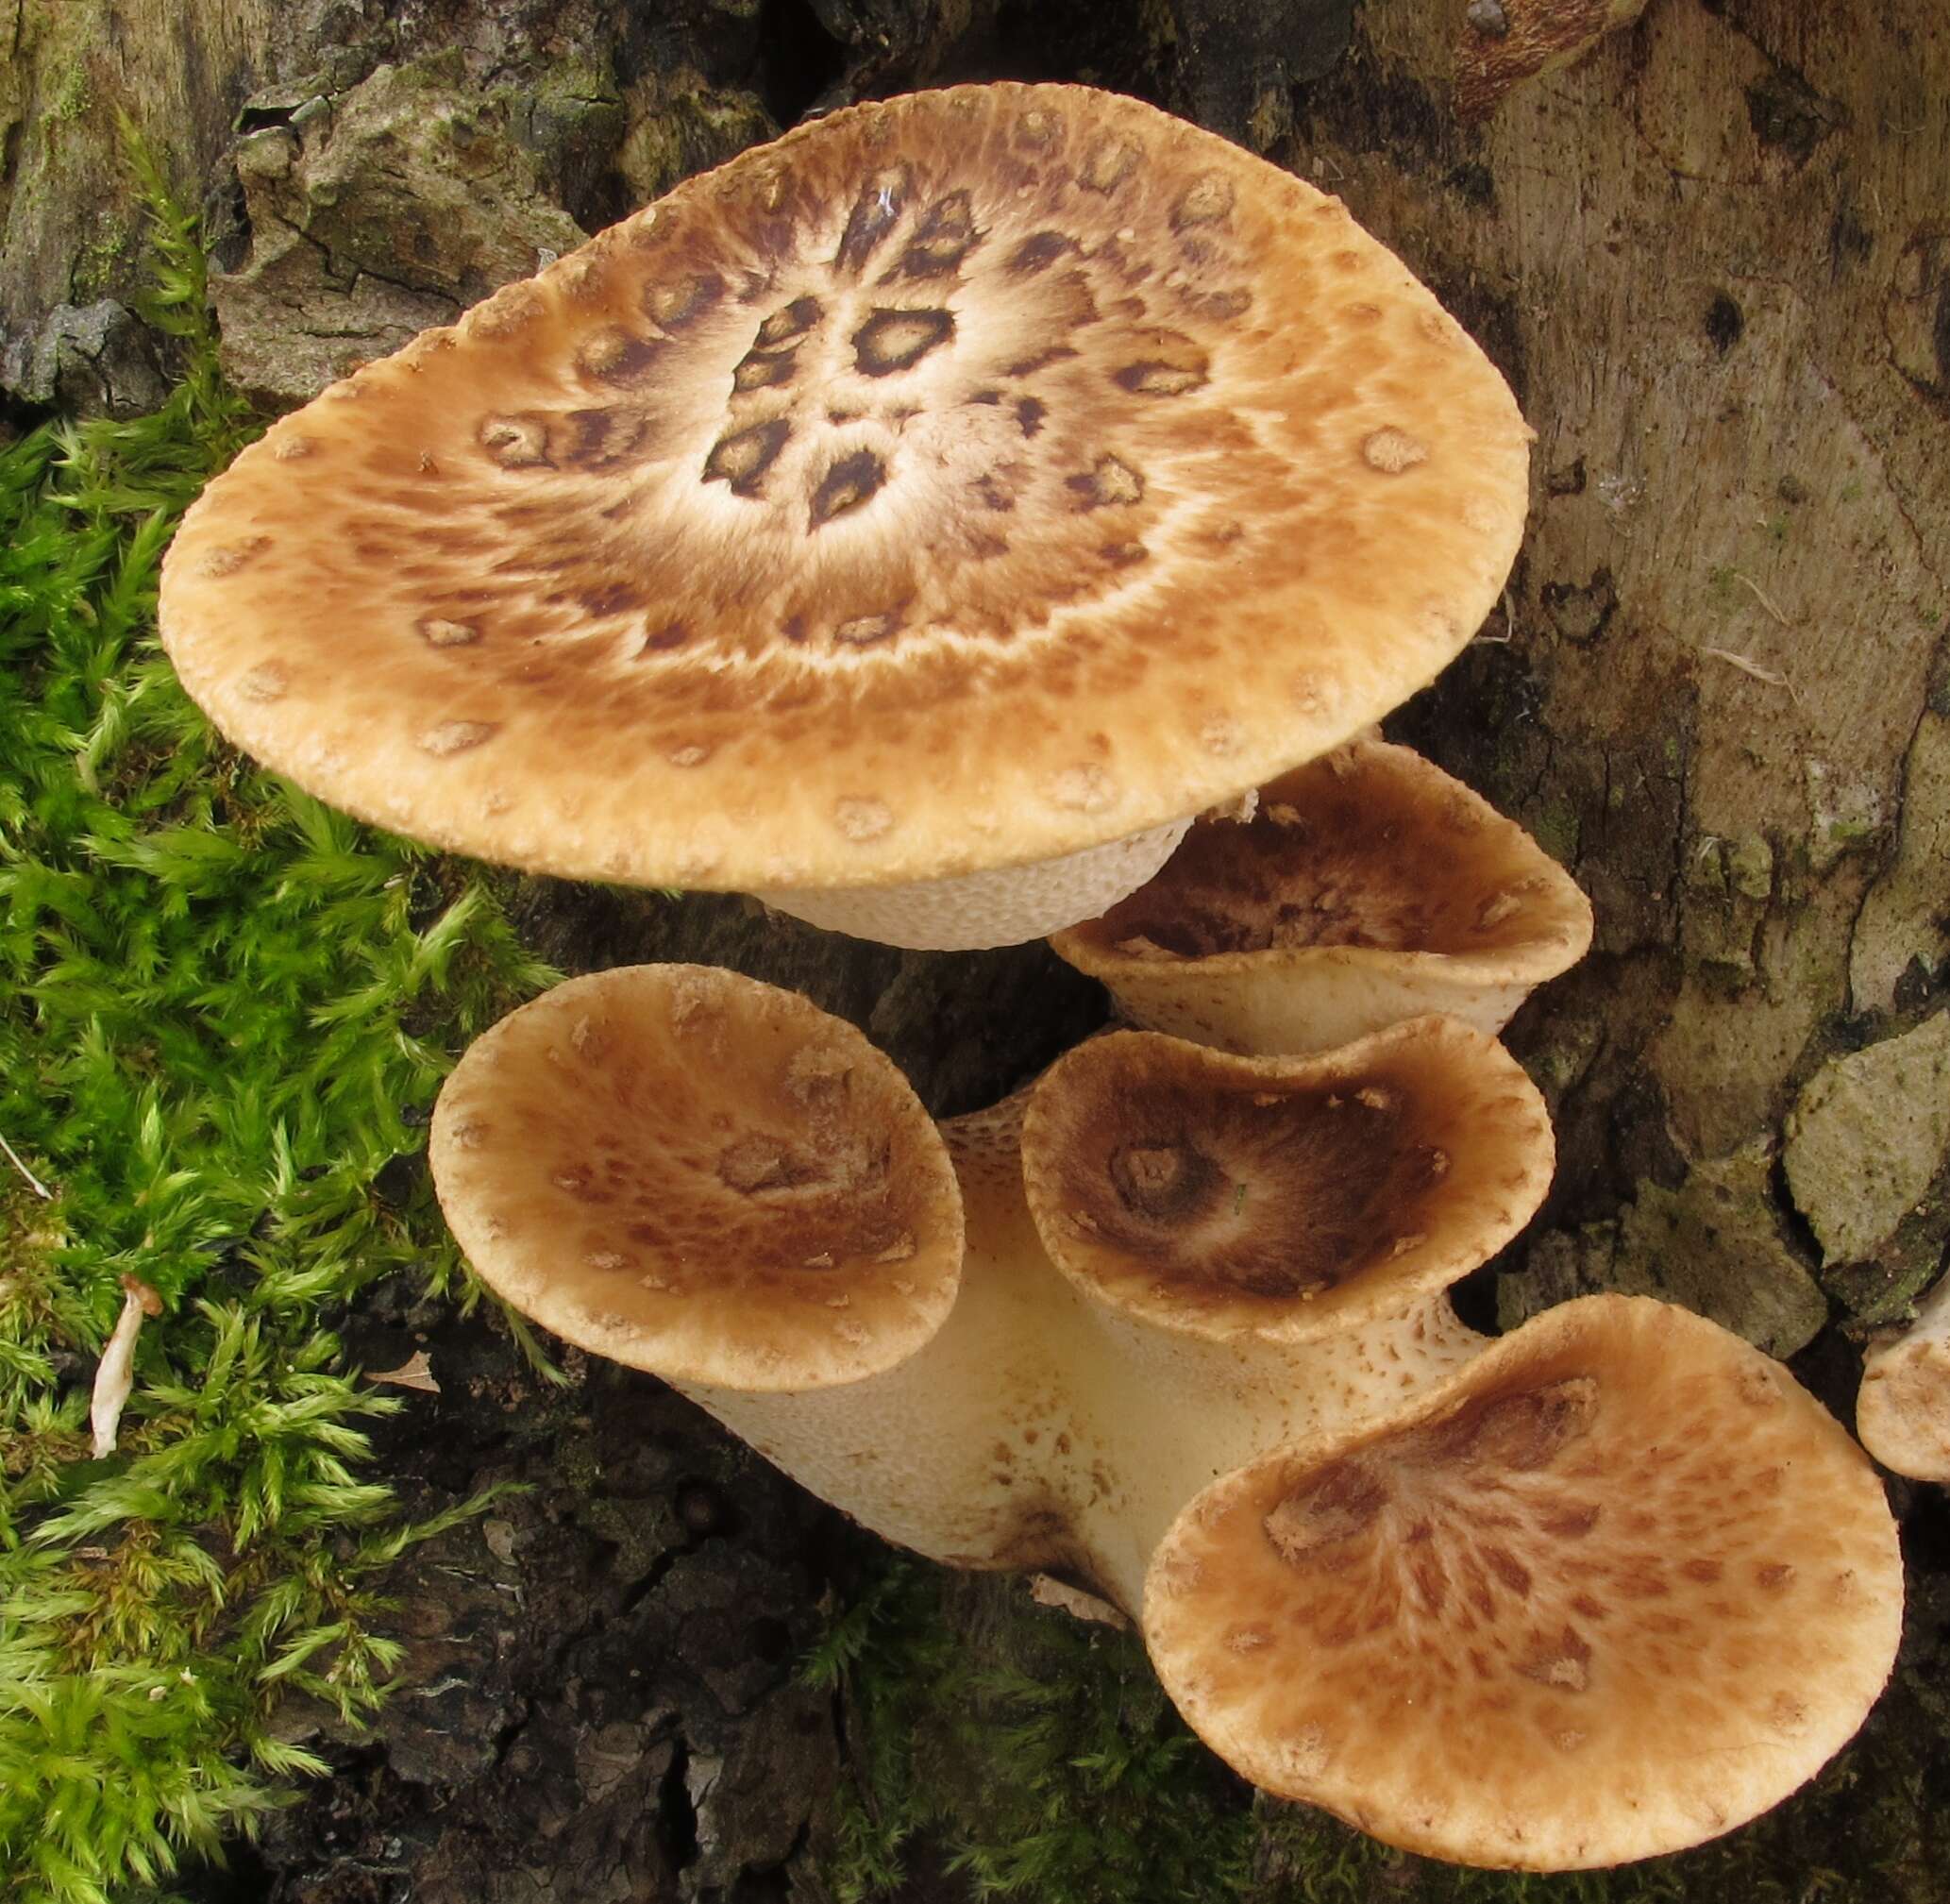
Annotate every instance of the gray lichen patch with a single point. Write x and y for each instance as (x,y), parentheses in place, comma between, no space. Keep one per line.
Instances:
(1715,1245)
(1867,1138)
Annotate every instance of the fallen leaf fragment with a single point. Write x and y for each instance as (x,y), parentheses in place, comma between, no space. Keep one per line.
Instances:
(415,1372)
(114,1375)
(1046,1590)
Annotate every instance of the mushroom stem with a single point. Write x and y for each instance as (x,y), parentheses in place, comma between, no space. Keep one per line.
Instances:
(1202,1361)
(610,1169)
(1902,1410)
(977,911)
(1363,888)
(1042,1428)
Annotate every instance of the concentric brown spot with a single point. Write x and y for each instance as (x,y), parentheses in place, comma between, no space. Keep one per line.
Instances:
(853,479)
(1208,202)
(1336,1505)
(946,236)
(741,457)
(677,305)
(1109,481)
(617,356)
(864,631)
(1391,451)
(898,340)
(764,370)
(874,212)
(1111,161)
(789,323)
(1157,376)
(516,442)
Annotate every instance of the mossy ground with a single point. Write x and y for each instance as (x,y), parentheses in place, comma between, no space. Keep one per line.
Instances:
(221,1008)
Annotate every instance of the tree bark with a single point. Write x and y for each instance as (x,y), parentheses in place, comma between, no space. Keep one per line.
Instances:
(1713,259)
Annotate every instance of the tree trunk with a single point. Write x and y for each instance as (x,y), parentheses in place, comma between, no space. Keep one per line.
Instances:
(1712,257)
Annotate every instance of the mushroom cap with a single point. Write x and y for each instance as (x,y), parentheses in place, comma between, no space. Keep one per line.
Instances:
(1288,1198)
(1367,886)
(1616,1587)
(702,1175)
(960,482)
(1903,1408)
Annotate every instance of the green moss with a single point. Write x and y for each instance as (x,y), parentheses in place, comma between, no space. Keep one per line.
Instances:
(219,1006)
(1556,830)
(74,93)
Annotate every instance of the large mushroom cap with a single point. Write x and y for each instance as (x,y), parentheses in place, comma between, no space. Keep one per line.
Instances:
(1616,1587)
(1367,886)
(961,482)
(1290,1199)
(702,1175)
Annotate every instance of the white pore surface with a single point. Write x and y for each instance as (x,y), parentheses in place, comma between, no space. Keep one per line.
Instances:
(977,911)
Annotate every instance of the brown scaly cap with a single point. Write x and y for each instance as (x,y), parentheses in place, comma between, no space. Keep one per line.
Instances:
(702,1175)
(961,481)
(1368,885)
(1290,1199)
(1613,1589)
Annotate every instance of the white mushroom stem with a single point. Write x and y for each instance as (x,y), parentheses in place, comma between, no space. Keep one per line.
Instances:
(1368,886)
(114,1373)
(977,911)
(1903,1411)
(708,1178)
(1040,1429)
(1201,1361)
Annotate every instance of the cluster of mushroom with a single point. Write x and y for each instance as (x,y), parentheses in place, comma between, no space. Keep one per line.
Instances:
(1171,1325)
(1062,493)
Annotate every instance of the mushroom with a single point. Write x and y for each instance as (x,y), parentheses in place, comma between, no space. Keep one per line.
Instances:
(915,521)
(701,1175)
(1194,1280)
(1902,1410)
(1265,1244)
(1613,1588)
(1364,888)
(678,1167)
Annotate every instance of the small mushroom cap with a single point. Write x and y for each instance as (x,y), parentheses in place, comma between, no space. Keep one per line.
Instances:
(995,472)
(1289,1199)
(1616,1587)
(1367,886)
(1903,1409)
(702,1175)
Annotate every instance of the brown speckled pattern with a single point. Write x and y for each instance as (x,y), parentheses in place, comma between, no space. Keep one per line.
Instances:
(1368,886)
(1289,1198)
(960,482)
(1616,1587)
(691,1171)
